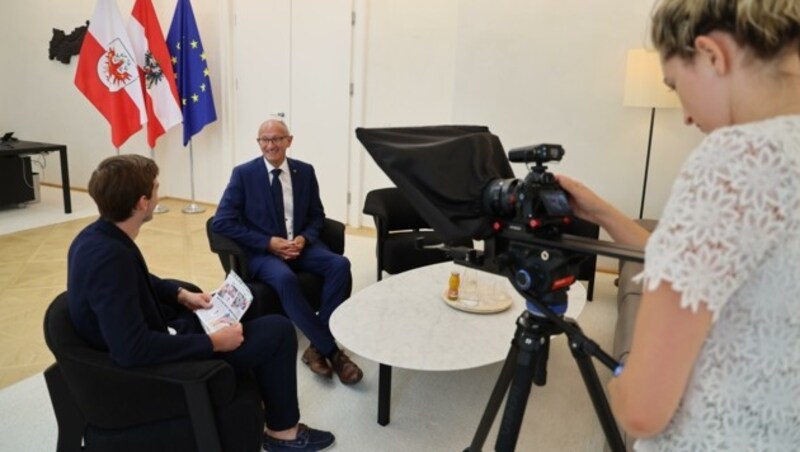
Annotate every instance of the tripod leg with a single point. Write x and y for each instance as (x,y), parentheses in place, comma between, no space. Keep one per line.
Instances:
(531,352)
(495,400)
(540,371)
(596,393)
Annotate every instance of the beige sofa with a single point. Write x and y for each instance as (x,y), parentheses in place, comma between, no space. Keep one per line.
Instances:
(629,296)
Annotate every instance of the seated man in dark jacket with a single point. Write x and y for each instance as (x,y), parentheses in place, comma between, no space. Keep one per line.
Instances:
(116,305)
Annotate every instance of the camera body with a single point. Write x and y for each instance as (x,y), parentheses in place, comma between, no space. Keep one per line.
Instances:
(536,204)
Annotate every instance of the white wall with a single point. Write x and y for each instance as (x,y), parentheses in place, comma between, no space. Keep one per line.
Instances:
(409,68)
(532,70)
(39,101)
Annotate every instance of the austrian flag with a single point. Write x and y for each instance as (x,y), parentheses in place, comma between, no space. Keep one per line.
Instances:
(107,73)
(155,69)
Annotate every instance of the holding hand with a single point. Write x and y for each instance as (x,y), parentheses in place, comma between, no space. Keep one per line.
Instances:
(194,301)
(300,242)
(587,205)
(287,249)
(228,338)
(584,202)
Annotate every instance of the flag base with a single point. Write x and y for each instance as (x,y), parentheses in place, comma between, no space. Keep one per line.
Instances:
(160,209)
(193,208)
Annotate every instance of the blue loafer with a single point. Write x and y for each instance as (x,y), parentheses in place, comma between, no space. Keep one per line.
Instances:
(308,440)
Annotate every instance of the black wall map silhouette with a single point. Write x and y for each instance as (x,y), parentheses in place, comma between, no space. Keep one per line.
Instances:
(63,46)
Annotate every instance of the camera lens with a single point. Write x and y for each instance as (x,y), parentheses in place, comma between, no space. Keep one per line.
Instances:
(500,197)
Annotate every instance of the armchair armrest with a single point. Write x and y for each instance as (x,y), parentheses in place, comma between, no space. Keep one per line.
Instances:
(221,244)
(392,210)
(150,393)
(231,255)
(332,234)
(111,396)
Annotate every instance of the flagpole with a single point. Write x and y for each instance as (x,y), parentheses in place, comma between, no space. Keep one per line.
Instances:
(190,63)
(117,149)
(193,207)
(159,207)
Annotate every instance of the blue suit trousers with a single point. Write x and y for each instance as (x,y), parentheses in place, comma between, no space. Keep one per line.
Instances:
(316,259)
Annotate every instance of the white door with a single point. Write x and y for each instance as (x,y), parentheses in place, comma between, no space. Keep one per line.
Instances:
(262,67)
(294,58)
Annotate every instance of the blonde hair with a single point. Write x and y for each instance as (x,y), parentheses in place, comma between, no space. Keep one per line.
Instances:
(767,27)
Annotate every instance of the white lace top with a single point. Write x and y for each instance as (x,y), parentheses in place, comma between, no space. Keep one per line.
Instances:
(730,238)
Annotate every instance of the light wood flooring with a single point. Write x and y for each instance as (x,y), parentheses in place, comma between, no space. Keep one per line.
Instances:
(33,270)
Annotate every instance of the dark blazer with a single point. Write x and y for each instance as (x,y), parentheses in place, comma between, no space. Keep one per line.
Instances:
(247,214)
(116,304)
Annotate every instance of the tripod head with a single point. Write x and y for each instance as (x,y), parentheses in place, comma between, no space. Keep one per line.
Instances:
(541,269)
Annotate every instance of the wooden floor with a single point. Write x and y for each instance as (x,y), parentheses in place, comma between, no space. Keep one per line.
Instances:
(33,271)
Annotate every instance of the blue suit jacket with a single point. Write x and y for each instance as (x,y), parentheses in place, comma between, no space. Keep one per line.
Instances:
(116,304)
(247,214)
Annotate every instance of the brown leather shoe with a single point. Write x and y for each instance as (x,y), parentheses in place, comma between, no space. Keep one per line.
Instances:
(316,362)
(348,372)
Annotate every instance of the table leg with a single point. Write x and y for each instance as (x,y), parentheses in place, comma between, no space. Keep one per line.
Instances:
(65,180)
(384,393)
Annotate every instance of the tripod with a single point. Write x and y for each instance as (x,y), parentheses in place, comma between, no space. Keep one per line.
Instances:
(526,364)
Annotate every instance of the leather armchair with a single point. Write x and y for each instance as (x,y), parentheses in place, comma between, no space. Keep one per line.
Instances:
(399,226)
(265,299)
(181,406)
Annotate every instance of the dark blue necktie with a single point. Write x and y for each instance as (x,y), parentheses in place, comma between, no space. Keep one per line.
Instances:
(277,195)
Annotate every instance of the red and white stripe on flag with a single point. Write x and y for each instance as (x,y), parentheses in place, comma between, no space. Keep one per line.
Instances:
(107,74)
(155,71)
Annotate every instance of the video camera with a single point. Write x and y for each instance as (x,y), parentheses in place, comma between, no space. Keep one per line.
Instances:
(537,202)
(534,206)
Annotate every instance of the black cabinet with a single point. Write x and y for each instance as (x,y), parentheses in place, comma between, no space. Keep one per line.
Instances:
(16,180)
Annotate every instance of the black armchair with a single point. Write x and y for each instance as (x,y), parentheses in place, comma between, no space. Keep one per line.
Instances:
(587,269)
(398,228)
(182,406)
(265,299)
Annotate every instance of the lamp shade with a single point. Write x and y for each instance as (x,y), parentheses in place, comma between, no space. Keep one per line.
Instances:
(644,82)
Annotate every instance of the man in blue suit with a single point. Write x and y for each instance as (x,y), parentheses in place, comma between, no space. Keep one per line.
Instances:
(272,209)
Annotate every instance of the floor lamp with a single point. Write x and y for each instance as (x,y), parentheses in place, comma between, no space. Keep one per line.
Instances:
(644,87)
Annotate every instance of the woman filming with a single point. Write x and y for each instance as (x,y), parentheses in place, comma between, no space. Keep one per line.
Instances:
(715,358)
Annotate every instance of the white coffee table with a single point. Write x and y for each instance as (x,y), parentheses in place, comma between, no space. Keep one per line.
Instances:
(402,321)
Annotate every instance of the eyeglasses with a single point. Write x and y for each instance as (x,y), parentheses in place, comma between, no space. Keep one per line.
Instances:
(275,140)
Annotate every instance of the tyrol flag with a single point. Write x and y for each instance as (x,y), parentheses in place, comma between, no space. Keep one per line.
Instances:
(155,71)
(191,71)
(107,74)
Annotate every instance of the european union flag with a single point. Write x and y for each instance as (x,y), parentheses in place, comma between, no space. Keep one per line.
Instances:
(191,71)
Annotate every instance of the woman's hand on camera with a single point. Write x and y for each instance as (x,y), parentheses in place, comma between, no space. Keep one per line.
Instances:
(584,202)
(587,205)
